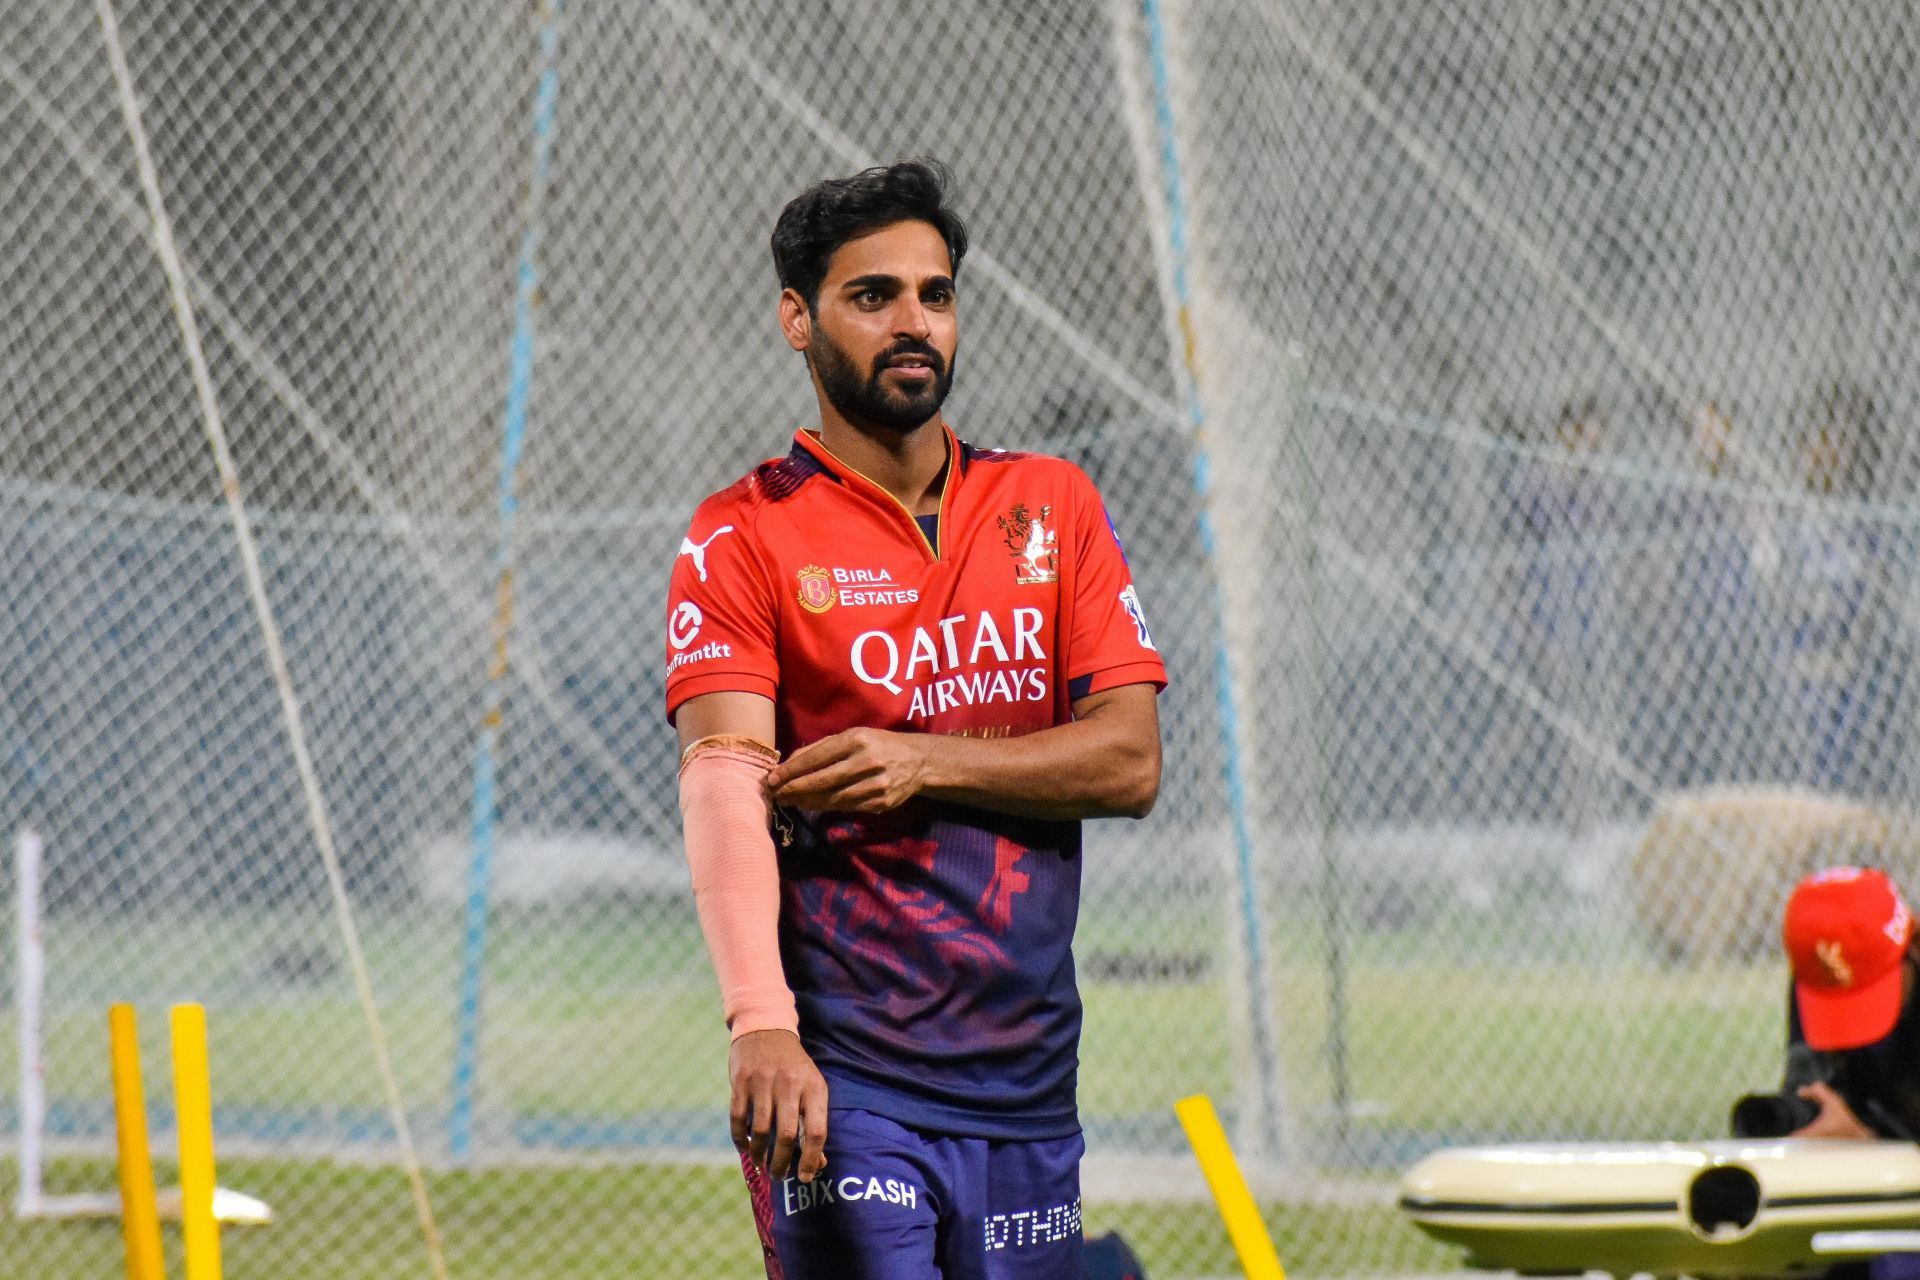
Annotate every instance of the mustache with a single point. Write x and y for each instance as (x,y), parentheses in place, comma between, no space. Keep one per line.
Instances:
(910,347)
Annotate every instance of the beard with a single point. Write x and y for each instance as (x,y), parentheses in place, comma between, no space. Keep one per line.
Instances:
(864,400)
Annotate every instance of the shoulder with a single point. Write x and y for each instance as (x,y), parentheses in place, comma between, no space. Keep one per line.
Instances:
(1018,465)
(773,482)
(1055,488)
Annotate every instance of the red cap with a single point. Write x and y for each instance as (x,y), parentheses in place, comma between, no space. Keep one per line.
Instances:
(1846,930)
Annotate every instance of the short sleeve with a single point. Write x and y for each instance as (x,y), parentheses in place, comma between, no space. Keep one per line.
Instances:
(1108,644)
(721,623)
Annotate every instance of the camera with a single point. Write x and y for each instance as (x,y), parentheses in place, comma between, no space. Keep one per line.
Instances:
(1771,1115)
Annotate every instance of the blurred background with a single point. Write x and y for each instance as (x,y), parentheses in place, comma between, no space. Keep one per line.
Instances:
(1506,408)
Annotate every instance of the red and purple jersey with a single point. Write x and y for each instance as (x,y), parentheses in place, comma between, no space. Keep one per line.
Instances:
(927,948)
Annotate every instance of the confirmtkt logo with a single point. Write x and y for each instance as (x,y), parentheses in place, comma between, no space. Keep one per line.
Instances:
(711,649)
(684,625)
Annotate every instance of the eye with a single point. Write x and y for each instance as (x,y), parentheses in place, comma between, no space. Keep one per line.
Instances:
(869,298)
(941,297)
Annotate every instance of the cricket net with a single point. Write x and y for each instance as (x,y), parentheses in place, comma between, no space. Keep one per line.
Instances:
(1505,408)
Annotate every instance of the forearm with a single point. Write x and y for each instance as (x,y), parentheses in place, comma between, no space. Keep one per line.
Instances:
(736,884)
(1085,769)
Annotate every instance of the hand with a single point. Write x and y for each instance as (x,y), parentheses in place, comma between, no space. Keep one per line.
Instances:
(1836,1118)
(858,771)
(779,1099)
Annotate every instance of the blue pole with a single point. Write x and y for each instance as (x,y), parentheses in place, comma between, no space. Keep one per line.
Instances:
(1259,994)
(486,804)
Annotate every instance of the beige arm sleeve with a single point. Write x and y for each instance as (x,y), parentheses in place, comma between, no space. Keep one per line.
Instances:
(724,814)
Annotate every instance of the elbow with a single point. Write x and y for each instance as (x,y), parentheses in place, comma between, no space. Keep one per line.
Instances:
(1140,787)
(1140,804)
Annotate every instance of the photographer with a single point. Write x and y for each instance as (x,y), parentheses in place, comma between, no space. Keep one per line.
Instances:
(1853,1045)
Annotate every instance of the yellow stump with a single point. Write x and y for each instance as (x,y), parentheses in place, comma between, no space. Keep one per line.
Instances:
(139,1216)
(1230,1193)
(193,1103)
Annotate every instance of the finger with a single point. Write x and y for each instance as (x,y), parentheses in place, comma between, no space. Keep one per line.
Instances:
(810,757)
(876,797)
(828,777)
(810,798)
(883,790)
(857,797)
(786,1131)
(813,1139)
(737,1116)
(760,1123)
(851,761)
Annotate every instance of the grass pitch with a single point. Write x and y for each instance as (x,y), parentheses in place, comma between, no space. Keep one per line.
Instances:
(1482,1028)
(348,1222)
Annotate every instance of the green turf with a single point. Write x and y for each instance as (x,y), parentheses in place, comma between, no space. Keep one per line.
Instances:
(1179,1241)
(593,1017)
(1447,1052)
(1547,1033)
(349,1222)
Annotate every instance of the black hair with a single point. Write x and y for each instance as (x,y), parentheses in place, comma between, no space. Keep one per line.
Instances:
(828,214)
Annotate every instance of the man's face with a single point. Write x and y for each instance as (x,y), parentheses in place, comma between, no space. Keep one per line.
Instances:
(883,331)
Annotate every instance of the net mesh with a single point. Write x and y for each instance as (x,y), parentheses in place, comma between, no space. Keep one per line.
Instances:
(1547,612)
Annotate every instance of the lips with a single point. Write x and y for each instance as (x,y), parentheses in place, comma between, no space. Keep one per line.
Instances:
(912,361)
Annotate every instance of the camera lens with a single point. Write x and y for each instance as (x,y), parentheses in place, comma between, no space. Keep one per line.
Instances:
(1771,1115)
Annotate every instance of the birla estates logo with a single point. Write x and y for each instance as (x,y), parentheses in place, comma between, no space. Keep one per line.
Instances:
(816,589)
(1035,547)
(821,589)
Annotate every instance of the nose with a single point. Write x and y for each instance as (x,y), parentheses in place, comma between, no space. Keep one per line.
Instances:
(910,319)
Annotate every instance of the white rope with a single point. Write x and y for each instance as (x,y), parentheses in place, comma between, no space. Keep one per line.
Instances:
(791,101)
(575,728)
(1503,228)
(168,253)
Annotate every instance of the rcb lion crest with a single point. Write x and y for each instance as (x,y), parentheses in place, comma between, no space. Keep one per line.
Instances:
(816,589)
(1035,547)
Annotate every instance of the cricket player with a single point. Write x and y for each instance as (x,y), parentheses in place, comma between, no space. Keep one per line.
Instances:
(903,668)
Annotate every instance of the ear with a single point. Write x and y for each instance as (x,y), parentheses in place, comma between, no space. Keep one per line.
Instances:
(796,319)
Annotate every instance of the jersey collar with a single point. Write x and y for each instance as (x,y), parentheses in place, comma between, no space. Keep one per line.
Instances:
(876,493)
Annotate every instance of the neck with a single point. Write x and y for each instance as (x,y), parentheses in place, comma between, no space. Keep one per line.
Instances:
(910,465)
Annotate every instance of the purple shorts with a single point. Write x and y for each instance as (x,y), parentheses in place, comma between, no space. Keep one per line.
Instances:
(897,1204)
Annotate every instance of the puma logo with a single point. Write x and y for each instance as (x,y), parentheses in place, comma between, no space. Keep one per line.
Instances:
(698,550)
